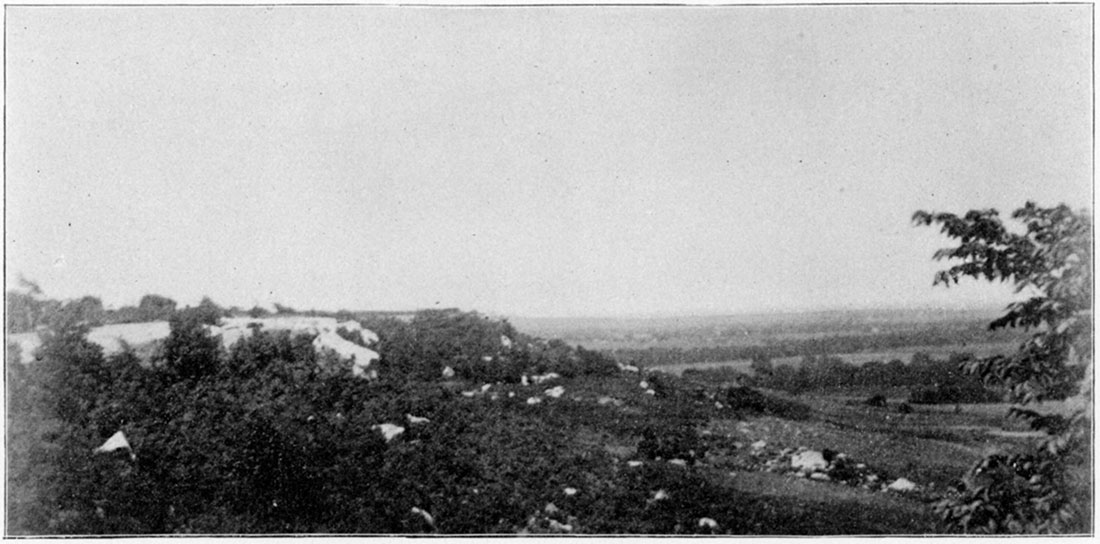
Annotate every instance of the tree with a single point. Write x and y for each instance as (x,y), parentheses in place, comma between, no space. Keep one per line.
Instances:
(1044,490)
(190,350)
(88,310)
(156,308)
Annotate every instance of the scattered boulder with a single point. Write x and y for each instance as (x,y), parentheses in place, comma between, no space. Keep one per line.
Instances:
(389,430)
(555,392)
(545,377)
(116,442)
(560,527)
(809,461)
(448,372)
(708,523)
(902,485)
(424,515)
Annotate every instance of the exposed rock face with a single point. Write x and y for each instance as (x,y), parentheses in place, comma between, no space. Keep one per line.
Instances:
(28,343)
(112,337)
(109,337)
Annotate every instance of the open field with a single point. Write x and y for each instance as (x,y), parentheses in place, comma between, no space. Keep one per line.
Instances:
(685,332)
(906,354)
(902,354)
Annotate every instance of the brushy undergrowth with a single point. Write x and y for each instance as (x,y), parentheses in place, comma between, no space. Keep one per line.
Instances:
(270,437)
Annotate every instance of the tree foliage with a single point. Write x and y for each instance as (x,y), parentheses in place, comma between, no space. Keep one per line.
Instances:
(1050,264)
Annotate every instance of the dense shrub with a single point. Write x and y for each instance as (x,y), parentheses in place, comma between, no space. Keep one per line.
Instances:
(746,399)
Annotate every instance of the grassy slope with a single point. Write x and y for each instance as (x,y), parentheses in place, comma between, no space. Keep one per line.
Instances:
(771,503)
(934,446)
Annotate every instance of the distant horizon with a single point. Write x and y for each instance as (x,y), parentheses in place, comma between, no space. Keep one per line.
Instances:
(961,306)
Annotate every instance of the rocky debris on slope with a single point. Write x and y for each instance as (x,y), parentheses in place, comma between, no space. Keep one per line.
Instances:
(544,377)
(551,519)
(824,465)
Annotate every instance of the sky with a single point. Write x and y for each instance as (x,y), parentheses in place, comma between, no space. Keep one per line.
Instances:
(539,161)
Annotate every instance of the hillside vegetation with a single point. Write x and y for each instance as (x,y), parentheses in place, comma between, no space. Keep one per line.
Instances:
(465,426)
(470,427)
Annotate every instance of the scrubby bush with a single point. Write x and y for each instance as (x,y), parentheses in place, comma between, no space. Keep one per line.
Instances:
(746,399)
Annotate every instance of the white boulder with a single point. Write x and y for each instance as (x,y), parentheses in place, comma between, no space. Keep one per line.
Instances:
(389,430)
(809,461)
(902,485)
(545,377)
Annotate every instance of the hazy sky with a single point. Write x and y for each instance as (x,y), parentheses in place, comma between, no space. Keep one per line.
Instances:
(533,161)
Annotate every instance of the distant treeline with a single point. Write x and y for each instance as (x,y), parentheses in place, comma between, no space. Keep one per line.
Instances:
(930,380)
(29,310)
(828,345)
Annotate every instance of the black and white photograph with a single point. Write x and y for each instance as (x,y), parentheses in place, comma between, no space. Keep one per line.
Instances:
(551,270)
